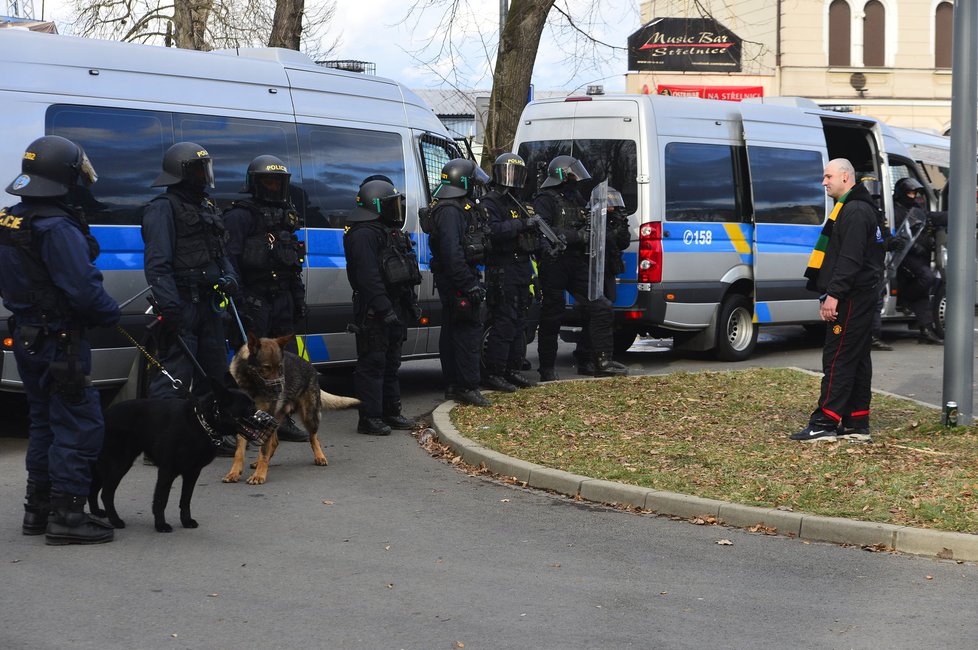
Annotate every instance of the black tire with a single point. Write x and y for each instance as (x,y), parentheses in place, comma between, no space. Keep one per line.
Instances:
(623,339)
(736,330)
(939,304)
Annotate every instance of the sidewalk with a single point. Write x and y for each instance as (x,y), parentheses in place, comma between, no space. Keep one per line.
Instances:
(915,541)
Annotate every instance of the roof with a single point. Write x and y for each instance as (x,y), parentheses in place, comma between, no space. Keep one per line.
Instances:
(453,102)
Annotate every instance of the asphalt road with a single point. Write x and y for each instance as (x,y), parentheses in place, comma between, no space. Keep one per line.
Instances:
(389,548)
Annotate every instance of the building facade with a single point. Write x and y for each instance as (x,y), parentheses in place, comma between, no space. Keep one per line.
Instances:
(886,58)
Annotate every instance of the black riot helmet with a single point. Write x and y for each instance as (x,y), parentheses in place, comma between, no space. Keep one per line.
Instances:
(563,169)
(379,200)
(509,170)
(902,187)
(459,177)
(51,166)
(268,179)
(186,162)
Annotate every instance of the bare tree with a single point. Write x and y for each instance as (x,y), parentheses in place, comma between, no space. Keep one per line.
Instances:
(209,24)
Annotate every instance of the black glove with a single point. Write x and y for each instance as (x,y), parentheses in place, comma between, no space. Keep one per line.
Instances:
(476,294)
(583,235)
(390,318)
(532,221)
(171,320)
(896,244)
(228,285)
(415,312)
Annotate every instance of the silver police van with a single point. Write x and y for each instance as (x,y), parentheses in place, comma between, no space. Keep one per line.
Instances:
(725,203)
(126,104)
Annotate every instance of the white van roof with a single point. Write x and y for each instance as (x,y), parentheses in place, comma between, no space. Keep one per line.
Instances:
(927,147)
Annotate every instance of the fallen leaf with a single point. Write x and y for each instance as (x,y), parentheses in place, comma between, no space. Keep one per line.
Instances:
(946,554)
(459,644)
(387,548)
(390,585)
(930,577)
(724,542)
(504,500)
(212,595)
(327,502)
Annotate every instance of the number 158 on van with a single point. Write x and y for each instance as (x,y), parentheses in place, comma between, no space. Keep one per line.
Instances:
(698,237)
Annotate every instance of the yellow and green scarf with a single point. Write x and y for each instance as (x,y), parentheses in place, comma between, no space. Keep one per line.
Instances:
(817,257)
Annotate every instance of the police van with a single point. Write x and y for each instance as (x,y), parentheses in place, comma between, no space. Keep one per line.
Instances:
(126,104)
(725,204)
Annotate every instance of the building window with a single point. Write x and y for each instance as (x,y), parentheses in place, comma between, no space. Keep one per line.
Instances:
(874,34)
(840,33)
(943,33)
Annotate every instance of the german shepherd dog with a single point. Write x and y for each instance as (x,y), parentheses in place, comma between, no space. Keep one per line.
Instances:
(281,383)
(179,436)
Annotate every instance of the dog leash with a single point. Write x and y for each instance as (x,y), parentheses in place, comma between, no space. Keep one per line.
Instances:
(174,382)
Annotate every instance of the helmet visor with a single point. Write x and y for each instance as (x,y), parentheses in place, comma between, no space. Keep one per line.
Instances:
(86,171)
(199,172)
(576,171)
(479,177)
(272,188)
(391,209)
(615,200)
(510,175)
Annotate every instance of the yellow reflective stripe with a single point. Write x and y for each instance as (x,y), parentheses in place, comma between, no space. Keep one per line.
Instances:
(737,238)
(301,346)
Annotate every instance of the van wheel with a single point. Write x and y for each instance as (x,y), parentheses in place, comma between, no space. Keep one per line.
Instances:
(736,329)
(940,308)
(623,339)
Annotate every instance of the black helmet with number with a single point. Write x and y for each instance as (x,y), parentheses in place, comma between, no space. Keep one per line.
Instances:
(186,162)
(509,170)
(268,179)
(903,186)
(379,200)
(51,166)
(563,169)
(459,177)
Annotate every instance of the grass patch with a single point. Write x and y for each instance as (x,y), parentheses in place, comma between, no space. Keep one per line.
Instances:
(723,435)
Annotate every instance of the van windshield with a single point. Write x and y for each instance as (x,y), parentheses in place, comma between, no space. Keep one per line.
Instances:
(611,160)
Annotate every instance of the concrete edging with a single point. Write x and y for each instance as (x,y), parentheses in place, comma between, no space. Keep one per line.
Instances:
(904,539)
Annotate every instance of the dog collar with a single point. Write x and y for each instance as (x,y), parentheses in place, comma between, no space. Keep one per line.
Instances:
(213,435)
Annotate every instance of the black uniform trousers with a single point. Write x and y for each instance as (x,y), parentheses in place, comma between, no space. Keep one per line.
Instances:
(569,272)
(459,343)
(846,364)
(378,361)
(66,430)
(202,329)
(267,313)
(917,282)
(508,286)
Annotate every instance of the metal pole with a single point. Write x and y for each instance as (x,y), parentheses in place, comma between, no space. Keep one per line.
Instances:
(959,348)
(503,11)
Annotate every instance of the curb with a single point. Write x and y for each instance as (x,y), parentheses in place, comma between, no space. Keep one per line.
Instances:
(816,528)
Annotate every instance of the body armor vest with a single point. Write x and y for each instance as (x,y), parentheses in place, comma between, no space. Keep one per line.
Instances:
(16,231)
(398,261)
(569,215)
(274,253)
(525,242)
(475,236)
(200,237)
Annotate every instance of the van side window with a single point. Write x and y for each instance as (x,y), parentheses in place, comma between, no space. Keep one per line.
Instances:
(126,148)
(435,152)
(335,160)
(786,185)
(700,182)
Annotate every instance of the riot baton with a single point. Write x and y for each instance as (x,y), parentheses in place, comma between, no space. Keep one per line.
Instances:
(186,350)
(123,305)
(237,319)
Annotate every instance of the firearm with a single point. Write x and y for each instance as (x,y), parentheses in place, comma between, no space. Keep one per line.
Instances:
(555,240)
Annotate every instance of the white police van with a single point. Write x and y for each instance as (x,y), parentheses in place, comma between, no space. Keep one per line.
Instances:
(126,104)
(725,202)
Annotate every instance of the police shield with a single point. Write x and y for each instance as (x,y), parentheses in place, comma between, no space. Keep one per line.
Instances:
(596,245)
(909,239)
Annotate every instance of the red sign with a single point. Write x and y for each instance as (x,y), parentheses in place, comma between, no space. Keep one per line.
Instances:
(727,93)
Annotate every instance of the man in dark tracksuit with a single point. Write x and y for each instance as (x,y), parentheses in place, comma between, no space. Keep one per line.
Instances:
(508,274)
(849,281)
(458,245)
(561,205)
(383,272)
(54,292)
(186,265)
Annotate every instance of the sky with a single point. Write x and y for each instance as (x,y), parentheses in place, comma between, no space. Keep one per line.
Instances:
(383,32)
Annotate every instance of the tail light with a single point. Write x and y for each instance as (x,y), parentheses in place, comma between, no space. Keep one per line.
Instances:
(650,253)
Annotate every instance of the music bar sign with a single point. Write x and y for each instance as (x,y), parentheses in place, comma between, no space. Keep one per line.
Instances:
(684,45)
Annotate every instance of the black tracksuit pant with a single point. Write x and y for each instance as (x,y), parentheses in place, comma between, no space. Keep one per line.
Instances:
(846,365)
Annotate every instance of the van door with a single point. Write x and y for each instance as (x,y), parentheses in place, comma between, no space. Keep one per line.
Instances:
(786,153)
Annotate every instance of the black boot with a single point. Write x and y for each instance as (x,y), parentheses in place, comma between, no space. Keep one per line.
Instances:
(605,366)
(518,379)
(37,505)
(929,336)
(70,524)
(373,427)
(495,381)
(548,374)
(471,397)
(394,419)
(586,366)
(289,432)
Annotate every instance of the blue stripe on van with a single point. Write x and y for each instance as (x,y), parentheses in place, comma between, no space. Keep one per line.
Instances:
(316,349)
(762,312)
(122,248)
(324,248)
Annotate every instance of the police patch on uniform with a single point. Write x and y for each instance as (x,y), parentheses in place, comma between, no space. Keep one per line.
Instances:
(20,182)
(837,329)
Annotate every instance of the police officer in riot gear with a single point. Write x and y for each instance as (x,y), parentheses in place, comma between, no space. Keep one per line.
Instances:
(508,274)
(54,292)
(187,266)
(560,204)
(617,238)
(268,256)
(383,270)
(915,276)
(459,240)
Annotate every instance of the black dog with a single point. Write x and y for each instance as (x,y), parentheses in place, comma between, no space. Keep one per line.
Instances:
(179,436)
